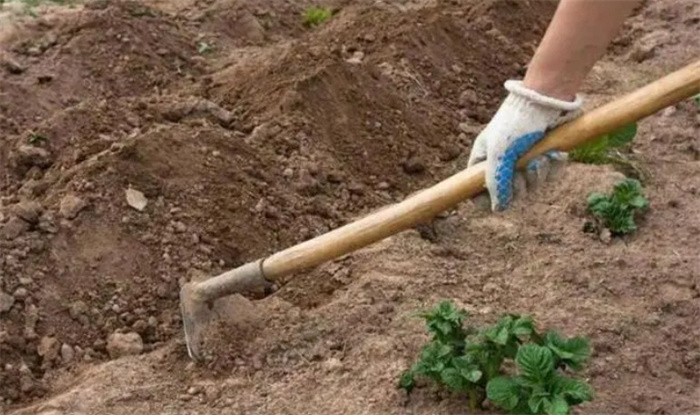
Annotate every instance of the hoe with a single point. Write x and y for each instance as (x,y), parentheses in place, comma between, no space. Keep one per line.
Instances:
(197,299)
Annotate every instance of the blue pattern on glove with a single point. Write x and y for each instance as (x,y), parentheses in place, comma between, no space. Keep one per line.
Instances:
(505,167)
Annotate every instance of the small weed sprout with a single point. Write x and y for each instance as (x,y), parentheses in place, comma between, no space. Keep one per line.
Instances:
(36,139)
(204,47)
(473,362)
(315,16)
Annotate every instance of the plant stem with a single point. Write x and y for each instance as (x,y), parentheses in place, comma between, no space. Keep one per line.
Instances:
(473,399)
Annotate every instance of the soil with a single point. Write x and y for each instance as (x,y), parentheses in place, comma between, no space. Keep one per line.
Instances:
(248,132)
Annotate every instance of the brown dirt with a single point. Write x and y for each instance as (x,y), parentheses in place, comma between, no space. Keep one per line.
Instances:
(275,136)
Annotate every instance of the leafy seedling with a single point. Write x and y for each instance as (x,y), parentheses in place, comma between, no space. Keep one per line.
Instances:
(601,150)
(473,362)
(537,388)
(444,322)
(617,210)
(696,99)
(315,16)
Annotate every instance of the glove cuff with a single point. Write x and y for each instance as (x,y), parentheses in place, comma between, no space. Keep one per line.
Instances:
(518,88)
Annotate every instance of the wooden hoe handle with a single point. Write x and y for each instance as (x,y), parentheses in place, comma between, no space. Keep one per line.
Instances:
(422,206)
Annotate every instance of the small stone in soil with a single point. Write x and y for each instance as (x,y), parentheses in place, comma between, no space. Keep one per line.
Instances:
(67,353)
(180,227)
(77,308)
(29,156)
(71,205)
(124,344)
(21,294)
(333,364)
(11,65)
(13,228)
(413,166)
(28,210)
(6,302)
(48,348)
(136,199)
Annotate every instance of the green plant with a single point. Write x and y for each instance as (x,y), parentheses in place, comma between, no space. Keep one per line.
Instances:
(472,362)
(537,388)
(314,16)
(36,139)
(617,210)
(605,149)
(696,98)
(203,47)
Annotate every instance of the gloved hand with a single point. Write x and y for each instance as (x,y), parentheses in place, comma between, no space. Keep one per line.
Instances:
(523,119)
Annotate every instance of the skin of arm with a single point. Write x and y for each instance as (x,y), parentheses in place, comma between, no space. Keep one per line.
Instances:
(576,38)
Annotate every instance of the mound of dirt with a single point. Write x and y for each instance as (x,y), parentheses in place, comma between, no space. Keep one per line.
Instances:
(282,144)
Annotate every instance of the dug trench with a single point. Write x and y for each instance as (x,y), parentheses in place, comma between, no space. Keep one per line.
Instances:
(277,134)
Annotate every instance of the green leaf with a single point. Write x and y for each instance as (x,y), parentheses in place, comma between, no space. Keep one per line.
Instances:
(467,368)
(575,390)
(618,219)
(535,362)
(203,47)
(501,336)
(625,191)
(597,151)
(523,326)
(617,210)
(639,202)
(453,379)
(526,382)
(557,406)
(503,392)
(314,16)
(536,402)
(511,349)
(443,327)
(500,332)
(490,360)
(35,139)
(598,204)
(473,375)
(445,323)
(436,350)
(407,382)
(622,136)
(434,358)
(591,153)
(572,352)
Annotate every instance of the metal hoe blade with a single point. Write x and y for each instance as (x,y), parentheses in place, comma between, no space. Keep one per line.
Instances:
(195,316)
(198,301)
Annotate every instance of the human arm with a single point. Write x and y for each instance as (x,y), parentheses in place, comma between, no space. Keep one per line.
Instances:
(576,38)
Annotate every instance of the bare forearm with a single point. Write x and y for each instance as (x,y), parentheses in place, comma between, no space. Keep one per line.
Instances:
(577,37)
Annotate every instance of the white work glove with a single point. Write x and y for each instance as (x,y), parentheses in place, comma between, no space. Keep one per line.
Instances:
(523,119)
